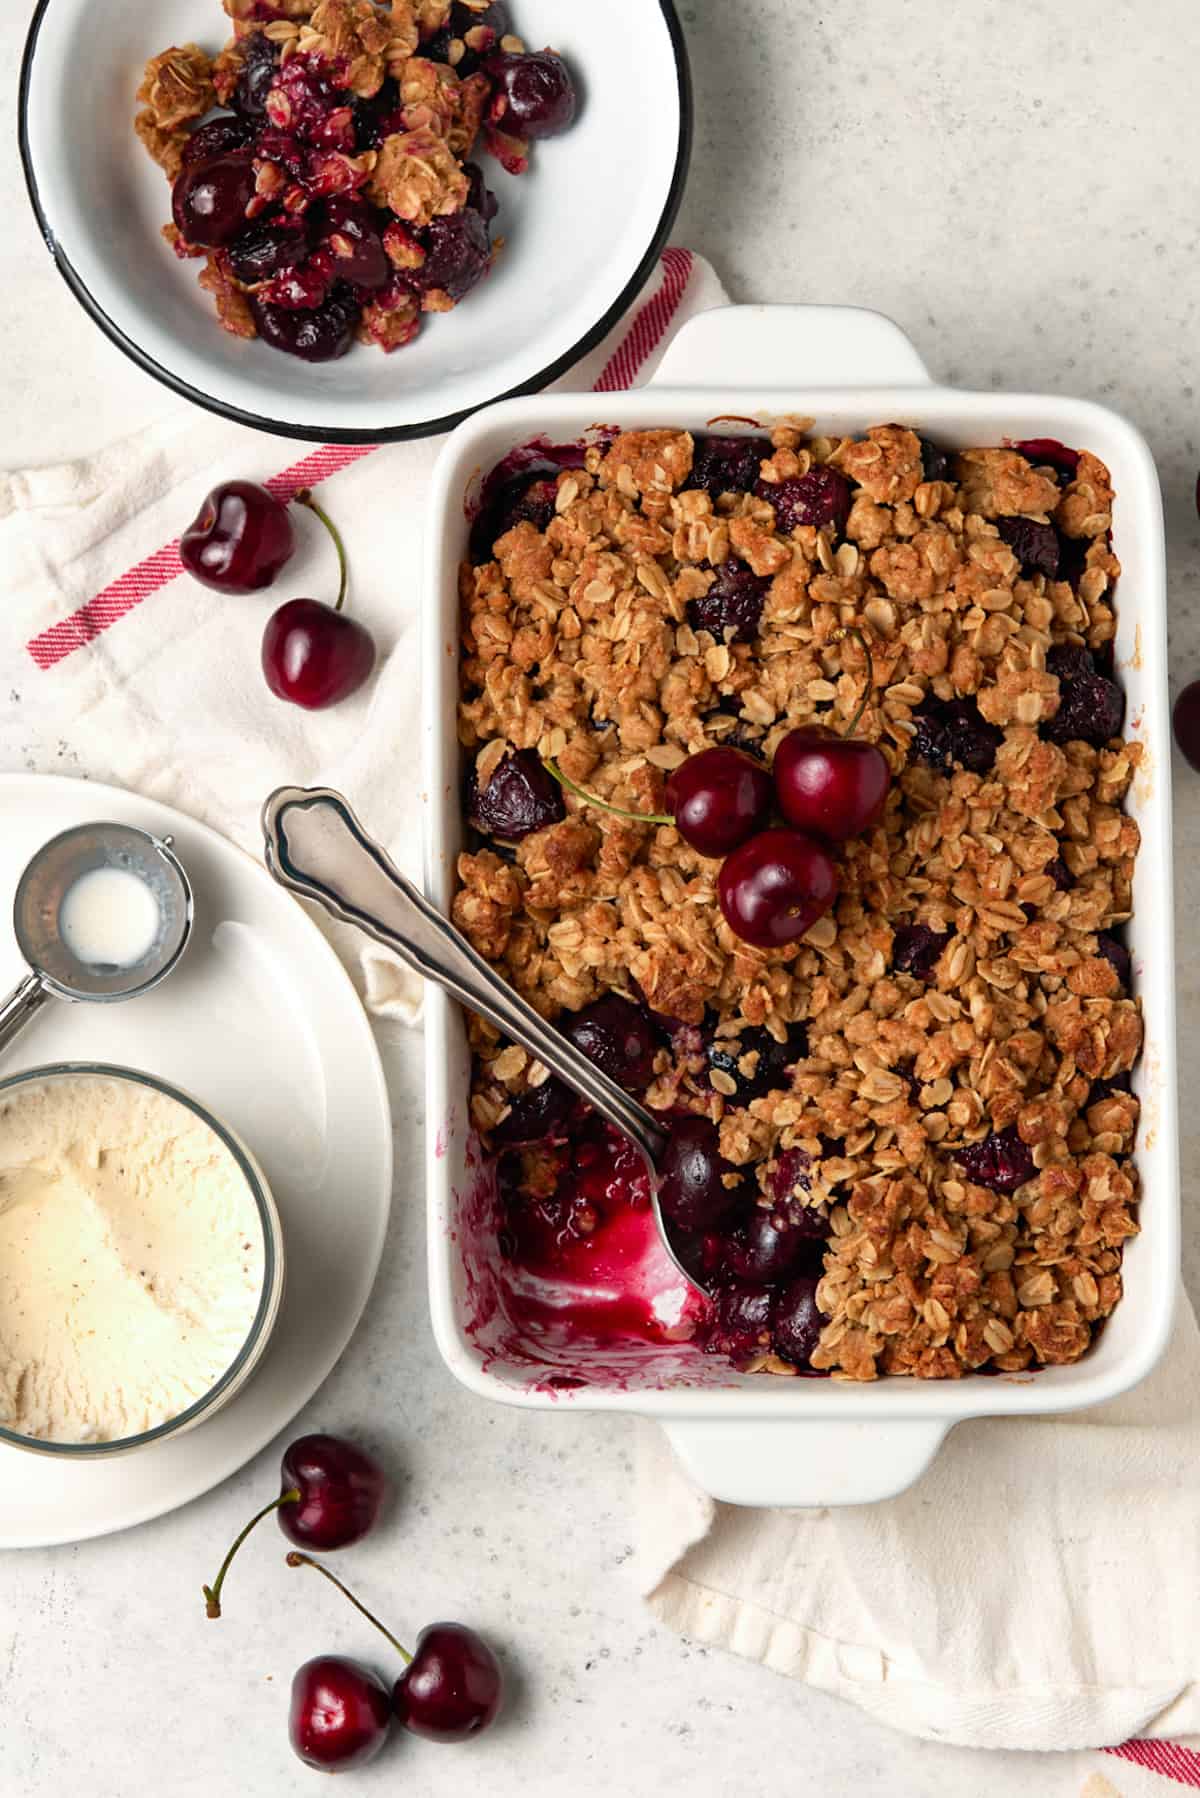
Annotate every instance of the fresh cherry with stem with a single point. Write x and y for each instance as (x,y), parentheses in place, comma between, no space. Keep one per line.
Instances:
(331,1495)
(452,1685)
(717,798)
(834,786)
(239,540)
(340,1714)
(313,654)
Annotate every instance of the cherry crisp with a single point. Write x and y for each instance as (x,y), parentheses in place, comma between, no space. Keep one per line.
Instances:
(924,1103)
(335,197)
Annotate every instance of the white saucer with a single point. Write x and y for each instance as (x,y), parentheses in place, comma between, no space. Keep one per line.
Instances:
(259,1021)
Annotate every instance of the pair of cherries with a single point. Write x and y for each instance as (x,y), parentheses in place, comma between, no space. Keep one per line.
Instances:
(776,881)
(341,1711)
(313,655)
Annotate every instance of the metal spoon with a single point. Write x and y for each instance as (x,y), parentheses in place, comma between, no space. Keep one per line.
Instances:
(55,971)
(316,847)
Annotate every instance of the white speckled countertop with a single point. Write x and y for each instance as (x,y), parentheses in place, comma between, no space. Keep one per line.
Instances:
(1017,186)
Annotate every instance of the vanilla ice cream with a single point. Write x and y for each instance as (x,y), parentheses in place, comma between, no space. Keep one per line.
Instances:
(131,1258)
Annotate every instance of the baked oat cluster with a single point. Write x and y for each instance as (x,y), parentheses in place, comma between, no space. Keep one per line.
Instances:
(336,197)
(923,1105)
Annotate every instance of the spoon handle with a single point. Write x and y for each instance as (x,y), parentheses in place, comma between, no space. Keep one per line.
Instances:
(21,1005)
(316,847)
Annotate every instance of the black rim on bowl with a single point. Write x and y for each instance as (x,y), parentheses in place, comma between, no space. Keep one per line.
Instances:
(393,433)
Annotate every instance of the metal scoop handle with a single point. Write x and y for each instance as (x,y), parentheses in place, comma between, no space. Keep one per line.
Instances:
(316,847)
(19,1009)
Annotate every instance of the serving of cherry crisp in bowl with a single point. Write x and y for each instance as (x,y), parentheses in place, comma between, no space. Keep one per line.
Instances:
(322,163)
(795,773)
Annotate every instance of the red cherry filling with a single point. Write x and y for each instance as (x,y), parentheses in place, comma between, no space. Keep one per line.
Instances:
(534,93)
(519,798)
(820,497)
(1035,545)
(753,1063)
(692,1191)
(619,1037)
(1000,1161)
(774,888)
(732,607)
(916,949)
(718,798)
(1048,452)
(1091,708)
(796,1322)
(217,138)
(209,199)
(727,464)
(953,733)
(320,335)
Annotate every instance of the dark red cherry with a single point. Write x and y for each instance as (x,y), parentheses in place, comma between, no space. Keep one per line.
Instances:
(820,497)
(340,1714)
(313,656)
(618,1036)
(458,253)
(692,1190)
(535,95)
(519,798)
(321,335)
(718,798)
(1001,1161)
(209,199)
(239,540)
(728,464)
(341,1492)
(1186,721)
(796,1323)
(349,231)
(452,1688)
(741,1325)
(775,887)
(257,74)
(217,138)
(331,1494)
(539,1114)
(768,1247)
(834,786)
(268,250)
(1048,452)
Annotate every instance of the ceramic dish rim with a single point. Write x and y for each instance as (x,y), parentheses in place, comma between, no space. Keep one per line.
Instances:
(945,1401)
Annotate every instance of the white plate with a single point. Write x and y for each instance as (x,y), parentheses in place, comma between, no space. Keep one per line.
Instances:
(582,229)
(260,1022)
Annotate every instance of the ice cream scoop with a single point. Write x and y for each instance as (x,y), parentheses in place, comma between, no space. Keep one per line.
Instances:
(102,913)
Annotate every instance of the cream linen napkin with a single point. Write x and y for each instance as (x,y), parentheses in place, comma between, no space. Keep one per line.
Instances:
(156,685)
(1037,1588)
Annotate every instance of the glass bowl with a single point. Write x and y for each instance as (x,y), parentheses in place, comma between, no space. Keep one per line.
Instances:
(270,1297)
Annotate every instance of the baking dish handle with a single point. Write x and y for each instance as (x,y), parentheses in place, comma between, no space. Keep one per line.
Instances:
(804,1465)
(796,346)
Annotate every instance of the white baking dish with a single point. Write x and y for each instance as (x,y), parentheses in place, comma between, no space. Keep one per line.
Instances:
(753,1439)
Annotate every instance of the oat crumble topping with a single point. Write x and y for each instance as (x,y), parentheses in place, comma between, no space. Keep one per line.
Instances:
(956,1108)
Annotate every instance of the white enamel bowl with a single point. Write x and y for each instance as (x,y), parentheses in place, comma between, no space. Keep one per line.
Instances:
(583,228)
(755,1440)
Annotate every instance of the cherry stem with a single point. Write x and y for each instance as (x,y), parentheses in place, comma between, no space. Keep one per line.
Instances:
(852,630)
(212,1594)
(304,498)
(602,805)
(296,1559)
